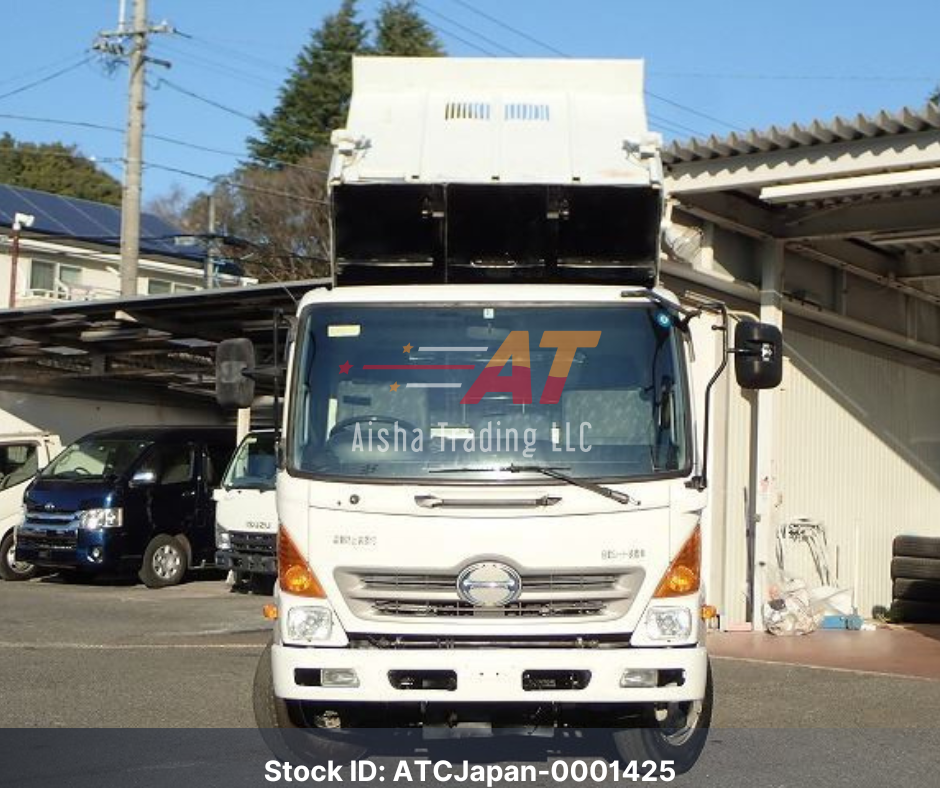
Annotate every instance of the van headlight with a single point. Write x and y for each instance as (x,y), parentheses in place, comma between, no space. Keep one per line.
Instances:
(668,623)
(96,519)
(223,539)
(309,623)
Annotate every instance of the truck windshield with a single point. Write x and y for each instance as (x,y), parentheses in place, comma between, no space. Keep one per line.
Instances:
(254,466)
(95,458)
(457,392)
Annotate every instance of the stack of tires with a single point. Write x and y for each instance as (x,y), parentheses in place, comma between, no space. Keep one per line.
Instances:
(915,572)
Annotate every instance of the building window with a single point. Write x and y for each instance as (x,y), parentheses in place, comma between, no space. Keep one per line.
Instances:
(53,280)
(165,287)
(159,287)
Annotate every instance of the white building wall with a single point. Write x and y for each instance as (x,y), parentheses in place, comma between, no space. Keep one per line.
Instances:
(72,417)
(859,451)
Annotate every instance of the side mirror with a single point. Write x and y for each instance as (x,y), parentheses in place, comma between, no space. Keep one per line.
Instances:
(143,479)
(758,355)
(234,366)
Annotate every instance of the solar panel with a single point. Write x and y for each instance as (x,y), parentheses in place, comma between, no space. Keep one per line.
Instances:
(95,222)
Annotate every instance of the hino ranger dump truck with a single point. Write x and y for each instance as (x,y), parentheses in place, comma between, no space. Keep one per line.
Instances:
(490,489)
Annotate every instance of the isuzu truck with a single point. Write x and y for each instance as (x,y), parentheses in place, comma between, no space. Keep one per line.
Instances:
(490,489)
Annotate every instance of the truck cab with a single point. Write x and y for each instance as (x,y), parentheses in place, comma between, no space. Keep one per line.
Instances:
(22,455)
(492,479)
(246,512)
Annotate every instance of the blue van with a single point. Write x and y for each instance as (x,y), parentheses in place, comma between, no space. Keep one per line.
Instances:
(133,498)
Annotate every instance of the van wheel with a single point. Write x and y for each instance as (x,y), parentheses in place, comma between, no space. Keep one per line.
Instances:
(287,731)
(10,568)
(669,732)
(165,562)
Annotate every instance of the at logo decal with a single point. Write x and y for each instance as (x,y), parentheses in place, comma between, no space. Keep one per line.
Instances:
(519,383)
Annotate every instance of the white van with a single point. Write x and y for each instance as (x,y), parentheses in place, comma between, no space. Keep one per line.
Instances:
(22,455)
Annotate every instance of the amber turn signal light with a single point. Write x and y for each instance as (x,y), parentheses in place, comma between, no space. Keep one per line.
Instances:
(269,612)
(684,573)
(294,575)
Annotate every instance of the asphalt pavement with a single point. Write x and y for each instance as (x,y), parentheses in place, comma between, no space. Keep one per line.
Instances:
(119,655)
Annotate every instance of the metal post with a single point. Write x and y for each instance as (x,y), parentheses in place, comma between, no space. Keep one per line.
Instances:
(14,258)
(212,246)
(243,426)
(765,498)
(133,158)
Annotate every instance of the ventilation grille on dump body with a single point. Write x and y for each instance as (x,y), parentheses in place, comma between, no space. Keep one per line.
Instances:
(466,110)
(525,111)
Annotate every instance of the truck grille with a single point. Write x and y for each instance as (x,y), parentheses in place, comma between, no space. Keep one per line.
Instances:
(263,544)
(381,595)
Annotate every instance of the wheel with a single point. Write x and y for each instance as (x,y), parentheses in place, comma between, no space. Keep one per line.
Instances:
(669,732)
(907,612)
(916,546)
(164,563)
(915,568)
(10,568)
(916,590)
(285,728)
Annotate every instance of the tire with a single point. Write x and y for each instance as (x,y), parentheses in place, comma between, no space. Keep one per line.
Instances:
(916,546)
(165,562)
(916,590)
(10,568)
(907,612)
(651,740)
(283,726)
(915,568)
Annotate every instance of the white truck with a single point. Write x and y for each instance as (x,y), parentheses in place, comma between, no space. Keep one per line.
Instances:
(246,513)
(22,455)
(490,487)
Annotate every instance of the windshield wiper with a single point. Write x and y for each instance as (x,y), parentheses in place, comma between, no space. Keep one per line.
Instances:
(554,471)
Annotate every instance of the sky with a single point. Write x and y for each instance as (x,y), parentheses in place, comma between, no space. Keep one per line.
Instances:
(711,67)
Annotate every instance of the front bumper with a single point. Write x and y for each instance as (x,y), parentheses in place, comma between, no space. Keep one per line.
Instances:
(490,675)
(255,563)
(74,548)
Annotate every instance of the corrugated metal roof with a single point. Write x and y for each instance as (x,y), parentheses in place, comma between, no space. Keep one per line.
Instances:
(818,132)
(71,218)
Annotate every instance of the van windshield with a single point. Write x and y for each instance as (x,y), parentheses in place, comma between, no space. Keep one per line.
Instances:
(96,458)
(461,392)
(254,466)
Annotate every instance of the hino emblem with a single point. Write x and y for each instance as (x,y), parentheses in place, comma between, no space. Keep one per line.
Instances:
(489,584)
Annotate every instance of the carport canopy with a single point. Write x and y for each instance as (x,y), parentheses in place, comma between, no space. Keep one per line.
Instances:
(853,205)
(163,343)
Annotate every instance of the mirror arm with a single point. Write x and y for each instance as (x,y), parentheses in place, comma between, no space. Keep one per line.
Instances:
(700,482)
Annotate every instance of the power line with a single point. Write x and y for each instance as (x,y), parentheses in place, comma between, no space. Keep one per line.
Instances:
(40,69)
(216,67)
(510,28)
(460,26)
(48,78)
(461,39)
(660,120)
(160,138)
(212,103)
(557,51)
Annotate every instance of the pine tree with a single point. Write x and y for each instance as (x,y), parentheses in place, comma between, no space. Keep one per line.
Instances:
(56,168)
(315,98)
(401,30)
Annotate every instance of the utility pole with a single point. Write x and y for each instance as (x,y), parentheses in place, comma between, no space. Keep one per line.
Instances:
(116,43)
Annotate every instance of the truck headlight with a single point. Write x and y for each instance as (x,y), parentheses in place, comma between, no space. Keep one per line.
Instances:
(309,623)
(668,623)
(96,519)
(223,539)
